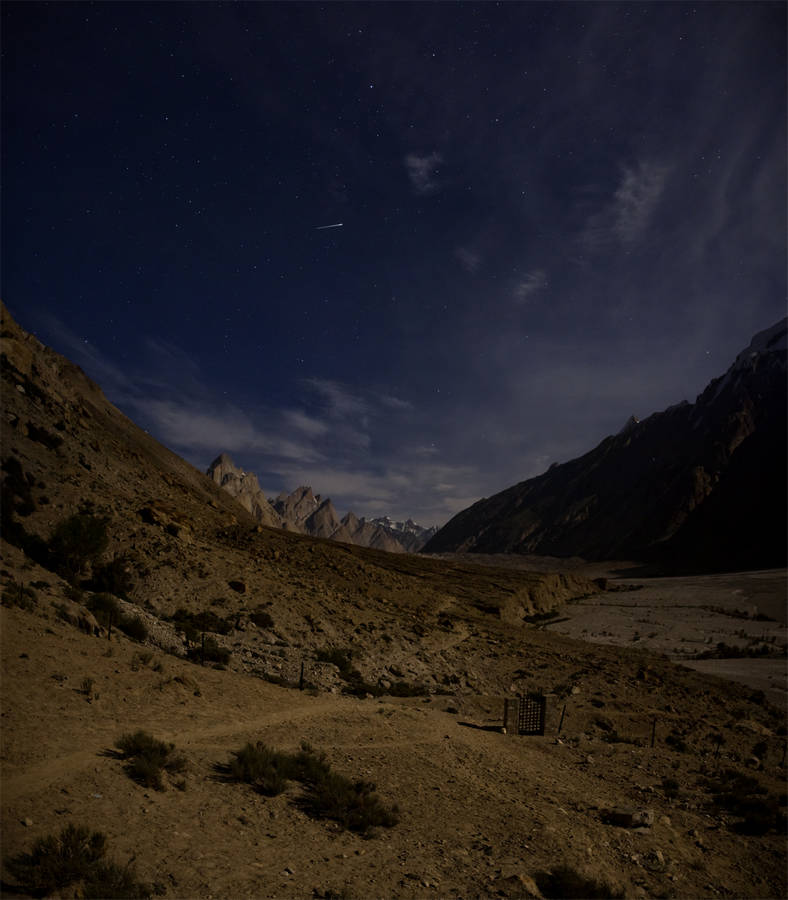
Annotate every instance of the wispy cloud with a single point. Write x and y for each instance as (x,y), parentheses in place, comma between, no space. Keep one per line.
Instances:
(469,260)
(394,402)
(636,199)
(339,400)
(627,215)
(534,282)
(307,424)
(423,171)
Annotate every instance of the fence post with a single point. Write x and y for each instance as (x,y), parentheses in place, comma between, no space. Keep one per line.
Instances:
(301,678)
(561,723)
(653,730)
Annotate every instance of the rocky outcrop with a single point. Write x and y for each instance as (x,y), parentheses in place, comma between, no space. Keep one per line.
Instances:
(245,488)
(304,512)
(700,486)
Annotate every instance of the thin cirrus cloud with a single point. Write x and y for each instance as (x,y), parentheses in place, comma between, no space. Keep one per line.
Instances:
(627,215)
(423,171)
(468,259)
(534,282)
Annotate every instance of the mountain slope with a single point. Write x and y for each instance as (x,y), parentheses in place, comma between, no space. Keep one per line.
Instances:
(698,486)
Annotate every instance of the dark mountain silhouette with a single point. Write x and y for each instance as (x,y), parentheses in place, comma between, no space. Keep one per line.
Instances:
(697,487)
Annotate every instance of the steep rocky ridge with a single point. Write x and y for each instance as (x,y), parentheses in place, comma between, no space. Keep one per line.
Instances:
(306,513)
(699,486)
(245,488)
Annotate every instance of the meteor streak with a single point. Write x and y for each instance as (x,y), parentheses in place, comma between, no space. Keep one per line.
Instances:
(321,227)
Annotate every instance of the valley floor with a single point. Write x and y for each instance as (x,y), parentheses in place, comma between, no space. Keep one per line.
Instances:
(685,617)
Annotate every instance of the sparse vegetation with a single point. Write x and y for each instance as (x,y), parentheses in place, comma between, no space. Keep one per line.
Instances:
(566,882)
(23,597)
(148,758)
(743,796)
(261,619)
(107,611)
(74,857)
(209,651)
(43,437)
(113,577)
(193,624)
(754,650)
(356,686)
(670,788)
(77,541)
(328,795)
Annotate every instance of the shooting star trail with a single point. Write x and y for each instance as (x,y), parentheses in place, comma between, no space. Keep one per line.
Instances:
(322,227)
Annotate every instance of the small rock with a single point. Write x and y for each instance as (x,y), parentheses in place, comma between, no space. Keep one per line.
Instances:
(575,690)
(27,822)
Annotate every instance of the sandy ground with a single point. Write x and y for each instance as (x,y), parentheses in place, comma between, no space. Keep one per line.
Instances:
(481,813)
(686,616)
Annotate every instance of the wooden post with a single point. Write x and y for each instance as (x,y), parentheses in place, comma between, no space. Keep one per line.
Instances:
(109,626)
(561,723)
(653,730)
(301,678)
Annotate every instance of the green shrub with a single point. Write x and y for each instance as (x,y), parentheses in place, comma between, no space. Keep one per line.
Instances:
(339,658)
(107,611)
(566,882)
(670,787)
(192,624)
(209,651)
(148,758)
(75,856)
(23,597)
(746,798)
(405,689)
(114,577)
(134,628)
(105,608)
(43,437)
(76,541)
(261,619)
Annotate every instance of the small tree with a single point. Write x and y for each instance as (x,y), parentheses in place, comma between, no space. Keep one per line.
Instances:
(76,541)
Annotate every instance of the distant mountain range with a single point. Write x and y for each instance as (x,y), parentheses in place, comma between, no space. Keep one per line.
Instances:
(700,486)
(307,513)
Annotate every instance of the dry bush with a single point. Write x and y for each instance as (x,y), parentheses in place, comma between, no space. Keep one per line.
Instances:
(328,795)
(148,758)
(74,857)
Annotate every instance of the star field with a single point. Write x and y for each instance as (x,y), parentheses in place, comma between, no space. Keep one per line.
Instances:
(554,216)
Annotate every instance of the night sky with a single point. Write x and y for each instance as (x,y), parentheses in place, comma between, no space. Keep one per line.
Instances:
(554,216)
